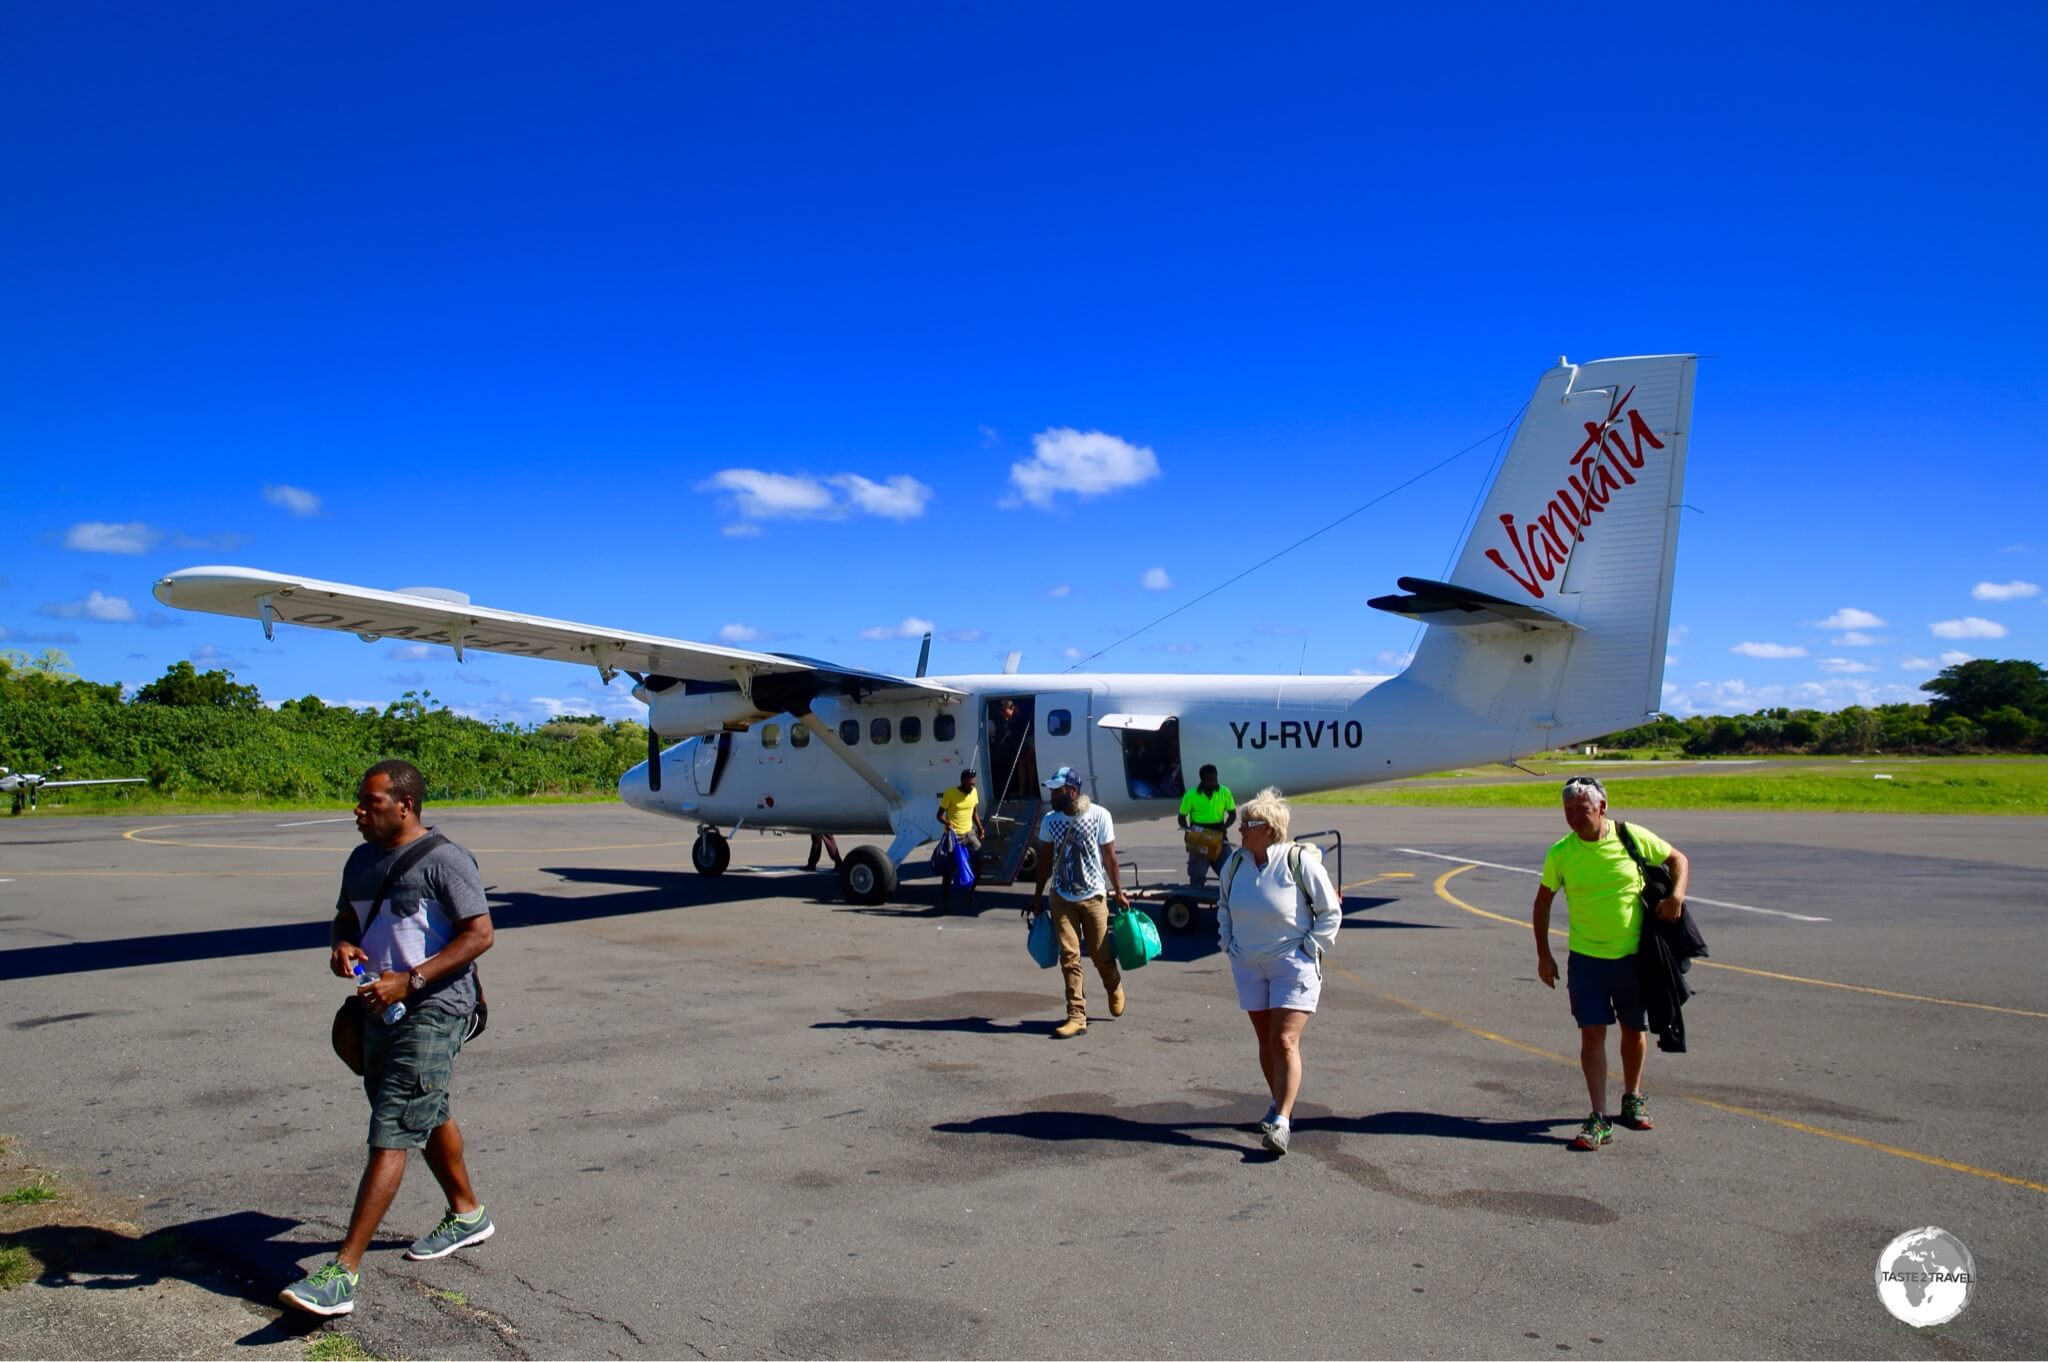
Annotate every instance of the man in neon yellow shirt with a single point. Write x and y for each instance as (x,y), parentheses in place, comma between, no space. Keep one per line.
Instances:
(1603,888)
(1206,813)
(960,811)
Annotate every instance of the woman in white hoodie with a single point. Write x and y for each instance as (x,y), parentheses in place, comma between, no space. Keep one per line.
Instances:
(1277,914)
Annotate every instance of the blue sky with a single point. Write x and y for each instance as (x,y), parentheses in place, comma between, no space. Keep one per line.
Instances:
(803,325)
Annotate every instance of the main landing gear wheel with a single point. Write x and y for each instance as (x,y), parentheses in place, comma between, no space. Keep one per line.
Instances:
(1179,915)
(712,853)
(867,875)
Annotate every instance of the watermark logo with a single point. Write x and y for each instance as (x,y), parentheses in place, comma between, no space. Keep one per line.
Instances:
(1926,1277)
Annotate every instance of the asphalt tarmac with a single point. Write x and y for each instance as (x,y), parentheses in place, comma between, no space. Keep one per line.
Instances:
(737,1117)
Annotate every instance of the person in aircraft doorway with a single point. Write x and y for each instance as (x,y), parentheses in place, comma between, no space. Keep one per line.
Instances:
(1076,849)
(1206,813)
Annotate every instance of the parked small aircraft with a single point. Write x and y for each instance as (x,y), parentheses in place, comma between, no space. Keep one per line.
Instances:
(1551,630)
(23,786)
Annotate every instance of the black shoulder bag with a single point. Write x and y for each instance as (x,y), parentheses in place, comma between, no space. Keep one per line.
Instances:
(1657,880)
(347,1032)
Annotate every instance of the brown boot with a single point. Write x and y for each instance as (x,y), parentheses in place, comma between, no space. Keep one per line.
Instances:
(1116,1002)
(1070,1028)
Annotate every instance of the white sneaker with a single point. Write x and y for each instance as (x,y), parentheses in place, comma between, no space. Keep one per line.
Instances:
(1270,1119)
(1276,1138)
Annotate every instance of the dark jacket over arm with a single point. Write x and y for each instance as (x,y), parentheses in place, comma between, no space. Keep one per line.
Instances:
(1665,954)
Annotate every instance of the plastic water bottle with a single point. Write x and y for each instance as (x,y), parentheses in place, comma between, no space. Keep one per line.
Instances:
(393,1014)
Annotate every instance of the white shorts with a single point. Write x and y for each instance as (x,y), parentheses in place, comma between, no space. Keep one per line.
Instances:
(1292,980)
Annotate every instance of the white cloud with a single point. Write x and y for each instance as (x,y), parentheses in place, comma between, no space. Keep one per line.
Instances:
(1393,661)
(1771,650)
(1740,697)
(1856,638)
(409,652)
(1060,592)
(109,609)
(1955,657)
(989,437)
(1849,617)
(1916,664)
(2004,591)
(1844,666)
(297,500)
(911,627)
(97,536)
(900,498)
(1677,635)
(206,655)
(1670,661)
(1970,626)
(1155,579)
(755,495)
(741,529)
(1086,463)
(739,633)
(1072,654)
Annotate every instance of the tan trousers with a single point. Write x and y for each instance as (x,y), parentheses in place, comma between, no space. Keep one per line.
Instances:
(1075,925)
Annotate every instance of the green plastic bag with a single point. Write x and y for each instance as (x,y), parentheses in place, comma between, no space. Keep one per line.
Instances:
(1135,937)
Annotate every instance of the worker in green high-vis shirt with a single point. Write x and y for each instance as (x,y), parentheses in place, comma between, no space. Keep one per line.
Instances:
(1206,813)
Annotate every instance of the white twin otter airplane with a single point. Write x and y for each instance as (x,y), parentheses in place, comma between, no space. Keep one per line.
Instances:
(1551,630)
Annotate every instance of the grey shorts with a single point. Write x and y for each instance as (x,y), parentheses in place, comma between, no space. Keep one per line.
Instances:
(1603,990)
(406,1071)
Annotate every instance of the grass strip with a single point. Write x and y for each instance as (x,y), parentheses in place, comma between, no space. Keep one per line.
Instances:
(1917,788)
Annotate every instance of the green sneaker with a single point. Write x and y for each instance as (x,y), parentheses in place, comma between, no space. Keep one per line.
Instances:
(330,1291)
(454,1232)
(1597,1130)
(1635,1112)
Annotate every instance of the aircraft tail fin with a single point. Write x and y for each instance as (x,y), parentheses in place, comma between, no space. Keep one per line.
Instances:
(1554,620)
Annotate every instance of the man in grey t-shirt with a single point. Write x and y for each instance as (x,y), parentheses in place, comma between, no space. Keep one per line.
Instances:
(1076,849)
(417,946)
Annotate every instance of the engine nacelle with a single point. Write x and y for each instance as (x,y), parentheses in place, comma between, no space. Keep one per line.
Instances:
(674,714)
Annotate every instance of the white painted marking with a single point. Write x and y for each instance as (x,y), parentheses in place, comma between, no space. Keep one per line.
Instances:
(1689,898)
(311,821)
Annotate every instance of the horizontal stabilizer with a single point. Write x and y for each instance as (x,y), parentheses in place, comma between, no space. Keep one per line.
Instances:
(1460,607)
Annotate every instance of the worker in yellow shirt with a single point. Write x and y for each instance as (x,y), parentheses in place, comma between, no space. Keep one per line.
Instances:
(960,811)
(1206,813)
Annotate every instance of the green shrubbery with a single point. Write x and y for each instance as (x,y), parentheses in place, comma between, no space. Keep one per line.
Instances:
(200,735)
(1980,706)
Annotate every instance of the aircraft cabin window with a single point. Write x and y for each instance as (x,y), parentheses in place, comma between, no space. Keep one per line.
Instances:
(849,732)
(911,729)
(942,728)
(1059,723)
(771,735)
(799,736)
(878,730)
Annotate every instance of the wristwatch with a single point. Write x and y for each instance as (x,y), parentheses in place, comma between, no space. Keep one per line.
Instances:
(416,982)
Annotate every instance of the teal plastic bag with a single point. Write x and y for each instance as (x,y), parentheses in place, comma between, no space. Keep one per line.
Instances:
(1044,948)
(1135,936)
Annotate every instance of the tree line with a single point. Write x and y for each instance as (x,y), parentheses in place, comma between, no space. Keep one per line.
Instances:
(1978,707)
(202,734)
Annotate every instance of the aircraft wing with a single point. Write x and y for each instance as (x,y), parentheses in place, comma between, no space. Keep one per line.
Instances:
(114,780)
(430,615)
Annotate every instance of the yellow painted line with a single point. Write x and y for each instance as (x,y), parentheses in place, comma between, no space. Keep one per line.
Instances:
(1802,1127)
(1448,897)
(1375,879)
(135,835)
(1862,1143)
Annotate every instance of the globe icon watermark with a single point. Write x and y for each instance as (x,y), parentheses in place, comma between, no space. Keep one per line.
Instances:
(1926,1277)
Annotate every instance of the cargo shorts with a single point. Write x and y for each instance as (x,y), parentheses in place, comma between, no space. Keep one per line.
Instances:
(406,1071)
